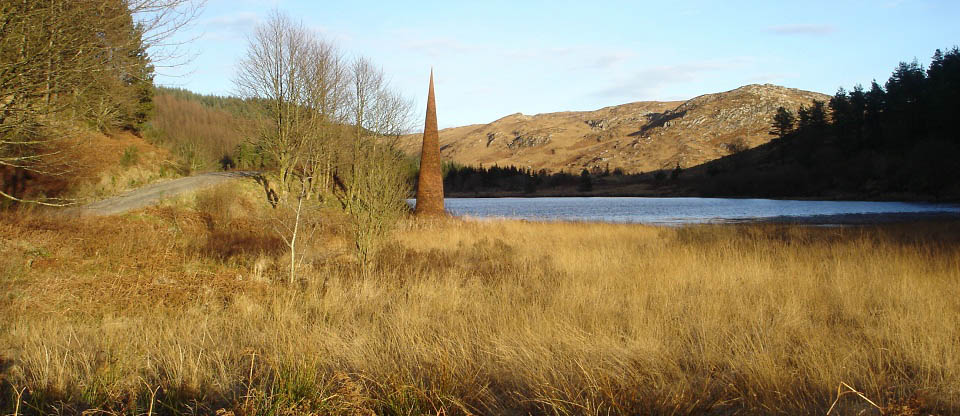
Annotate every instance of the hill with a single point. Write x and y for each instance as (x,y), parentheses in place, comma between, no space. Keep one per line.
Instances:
(91,165)
(203,131)
(636,137)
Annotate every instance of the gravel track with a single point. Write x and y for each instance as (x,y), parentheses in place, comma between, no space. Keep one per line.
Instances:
(154,193)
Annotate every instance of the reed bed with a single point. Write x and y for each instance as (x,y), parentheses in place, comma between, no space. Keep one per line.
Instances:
(186,311)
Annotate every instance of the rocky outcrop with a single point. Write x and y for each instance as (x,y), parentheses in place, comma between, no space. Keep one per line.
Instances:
(600,124)
(521,140)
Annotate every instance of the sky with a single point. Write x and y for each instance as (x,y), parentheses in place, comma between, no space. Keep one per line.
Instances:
(495,58)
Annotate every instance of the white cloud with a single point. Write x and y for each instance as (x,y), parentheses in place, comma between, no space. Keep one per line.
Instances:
(610,59)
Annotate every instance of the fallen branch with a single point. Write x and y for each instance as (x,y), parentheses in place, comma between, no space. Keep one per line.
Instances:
(850,390)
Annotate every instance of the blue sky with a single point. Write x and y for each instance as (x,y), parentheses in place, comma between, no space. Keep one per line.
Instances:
(494,58)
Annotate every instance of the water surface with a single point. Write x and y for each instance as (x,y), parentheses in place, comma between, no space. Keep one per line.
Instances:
(695,210)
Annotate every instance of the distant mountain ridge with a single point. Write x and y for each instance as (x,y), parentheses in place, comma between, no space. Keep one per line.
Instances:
(636,137)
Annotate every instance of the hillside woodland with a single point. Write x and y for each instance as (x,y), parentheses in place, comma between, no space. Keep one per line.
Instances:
(204,131)
(71,72)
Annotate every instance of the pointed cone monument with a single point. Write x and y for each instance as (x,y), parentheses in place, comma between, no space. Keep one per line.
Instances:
(430,181)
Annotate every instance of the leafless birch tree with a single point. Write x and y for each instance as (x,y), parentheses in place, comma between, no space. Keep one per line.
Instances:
(326,121)
(299,80)
(375,191)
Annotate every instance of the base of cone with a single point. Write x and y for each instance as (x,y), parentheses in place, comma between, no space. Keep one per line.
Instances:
(432,211)
(430,214)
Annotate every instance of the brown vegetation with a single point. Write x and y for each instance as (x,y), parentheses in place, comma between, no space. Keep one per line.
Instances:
(636,137)
(187,310)
(92,165)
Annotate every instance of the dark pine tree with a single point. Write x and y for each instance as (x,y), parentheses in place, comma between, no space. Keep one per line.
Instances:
(858,108)
(876,100)
(943,89)
(782,122)
(586,184)
(906,104)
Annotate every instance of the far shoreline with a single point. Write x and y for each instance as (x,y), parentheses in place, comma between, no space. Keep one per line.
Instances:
(828,220)
(907,198)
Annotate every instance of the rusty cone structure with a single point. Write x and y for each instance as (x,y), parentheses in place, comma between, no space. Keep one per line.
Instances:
(430,181)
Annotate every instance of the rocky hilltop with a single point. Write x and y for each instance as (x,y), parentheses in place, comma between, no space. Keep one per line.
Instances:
(637,137)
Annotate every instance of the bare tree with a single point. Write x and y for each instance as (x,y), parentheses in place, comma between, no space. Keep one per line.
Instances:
(328,96)
(161,21)
(299,82)
(374,194)
(296,222)
(324,121)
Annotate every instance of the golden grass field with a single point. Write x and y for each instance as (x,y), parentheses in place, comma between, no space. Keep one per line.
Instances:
(185,309)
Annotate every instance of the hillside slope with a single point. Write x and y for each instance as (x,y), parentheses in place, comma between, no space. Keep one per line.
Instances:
(640,136)
(91,165)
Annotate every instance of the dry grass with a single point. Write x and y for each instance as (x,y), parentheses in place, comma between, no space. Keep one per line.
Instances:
(475,318)
(92,166)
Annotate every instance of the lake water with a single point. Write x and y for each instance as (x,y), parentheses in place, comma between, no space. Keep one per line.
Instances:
(673,211)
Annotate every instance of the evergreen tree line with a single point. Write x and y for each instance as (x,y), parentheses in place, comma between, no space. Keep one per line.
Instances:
(240,107)
(914,105)
(894,139)
(466,179)
(459,178)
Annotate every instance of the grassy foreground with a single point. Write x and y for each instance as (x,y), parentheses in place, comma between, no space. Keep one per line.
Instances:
(181,310)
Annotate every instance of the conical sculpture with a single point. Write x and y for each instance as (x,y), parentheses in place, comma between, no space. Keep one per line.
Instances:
(430,181)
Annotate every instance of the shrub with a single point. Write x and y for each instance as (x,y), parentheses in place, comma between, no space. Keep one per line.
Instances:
(131,156)
(216,204)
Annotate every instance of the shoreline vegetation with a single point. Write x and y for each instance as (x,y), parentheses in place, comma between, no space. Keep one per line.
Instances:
(669,194)
(510,182)
(185,308)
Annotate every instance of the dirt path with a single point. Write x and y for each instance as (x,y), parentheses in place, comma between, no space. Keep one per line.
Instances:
(154,193)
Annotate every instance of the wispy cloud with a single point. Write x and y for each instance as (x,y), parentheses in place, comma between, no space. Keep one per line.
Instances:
(653,81)
(230,26)
(440,47)
(802,29)
(768,78)
(577,57)
(606,60)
